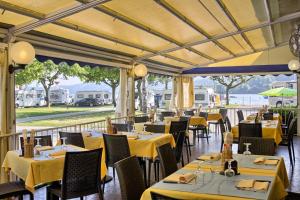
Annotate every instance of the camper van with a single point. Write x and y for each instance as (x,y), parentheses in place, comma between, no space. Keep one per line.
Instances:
(203,96)
(283,101)
(30,98)
(102,96)
(59,96)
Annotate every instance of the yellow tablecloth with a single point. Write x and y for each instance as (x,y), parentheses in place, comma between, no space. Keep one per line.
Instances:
(277,191)
(140,148)
(214,116)
(273,131)
(196,121)
(275,117)
(36,172)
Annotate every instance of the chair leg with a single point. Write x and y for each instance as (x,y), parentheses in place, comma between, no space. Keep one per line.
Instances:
(292,143)
(205,131)
(187,150)
(208,126)
(31,196)
(81,198)
(155,172)
(21,197)
(182,161)
(290,155)
(189,146)
(221,146)
(157,165)
(149,171)
(194,137)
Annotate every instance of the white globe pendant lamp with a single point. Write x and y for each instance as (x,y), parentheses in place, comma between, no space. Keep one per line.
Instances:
(140,70)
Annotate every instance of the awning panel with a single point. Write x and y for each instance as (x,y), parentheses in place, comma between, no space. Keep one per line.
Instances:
(236,44)
(13,18)
(212,50)
(260,38)
(189,56)
(169,61)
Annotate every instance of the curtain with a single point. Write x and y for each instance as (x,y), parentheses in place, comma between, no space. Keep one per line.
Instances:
(188,92)
(4,144)
(173,96)
(121,108)
(179,93)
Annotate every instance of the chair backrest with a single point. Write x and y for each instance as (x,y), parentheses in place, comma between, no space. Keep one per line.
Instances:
(131,178)
(178,126)
(167,159)
(179,139)
(268,116)
(189,113)
(164,114)
(292,129)
(223,112)
(222,128)
(75,139)
(250,130)
(156,196)
(155,128)
(228,124)
(116,148)
(240,115)
(290,116)
(122,127)
(204,115)
(259,146)
(44,141)
(184,118)
(81,175)
(141,119)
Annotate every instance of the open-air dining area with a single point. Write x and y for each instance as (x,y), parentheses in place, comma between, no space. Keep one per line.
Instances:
(150,99)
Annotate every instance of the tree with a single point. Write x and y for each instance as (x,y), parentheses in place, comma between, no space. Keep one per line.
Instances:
(46,73)
(109,76)
(230,82)
(154,79)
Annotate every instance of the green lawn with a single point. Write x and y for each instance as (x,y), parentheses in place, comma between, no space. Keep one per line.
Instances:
(66,121)
(41,111)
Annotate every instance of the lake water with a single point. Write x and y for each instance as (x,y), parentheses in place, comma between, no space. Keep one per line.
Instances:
(248,99)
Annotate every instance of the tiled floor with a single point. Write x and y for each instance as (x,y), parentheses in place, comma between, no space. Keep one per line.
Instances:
(112,189)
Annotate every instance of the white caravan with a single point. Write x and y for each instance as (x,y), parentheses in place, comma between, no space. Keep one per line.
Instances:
(283,101)
(29,98)
(102,96)
(59,96)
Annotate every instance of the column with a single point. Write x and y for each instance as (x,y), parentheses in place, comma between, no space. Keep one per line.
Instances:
(121,108)
(131,93)
(298,104)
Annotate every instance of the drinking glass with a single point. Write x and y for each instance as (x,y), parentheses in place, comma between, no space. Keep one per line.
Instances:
(229,172)
(247,152)
(64,145)
(199,171)
(38,145)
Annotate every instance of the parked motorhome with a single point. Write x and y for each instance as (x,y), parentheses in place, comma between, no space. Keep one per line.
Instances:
(283,101)
(30,98)
(102,96)
(59,96)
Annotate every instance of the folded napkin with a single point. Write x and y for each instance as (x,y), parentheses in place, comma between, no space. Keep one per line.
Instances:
(44,148)
(259,160)
(253,185)
(58,153)
(132,137)
(212,156)
(263,160)
(186,178)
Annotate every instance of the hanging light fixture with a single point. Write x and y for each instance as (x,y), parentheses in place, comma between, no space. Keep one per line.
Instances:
(22,54)
(294,65)
(140,70)
(294,43)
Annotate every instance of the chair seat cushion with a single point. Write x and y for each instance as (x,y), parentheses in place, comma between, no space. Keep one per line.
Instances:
(12,189)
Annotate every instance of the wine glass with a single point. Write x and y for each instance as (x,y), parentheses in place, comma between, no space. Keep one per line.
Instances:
(229,172)
(199,170)
(64,145)
(37,146)
(247,152)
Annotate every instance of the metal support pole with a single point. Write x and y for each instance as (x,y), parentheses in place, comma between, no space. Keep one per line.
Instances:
(131,91)
(298,104)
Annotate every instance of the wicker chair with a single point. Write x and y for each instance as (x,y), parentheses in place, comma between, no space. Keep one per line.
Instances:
(288,140)
(122,127)
(250,130)
(75,139)
(81,176)
(164,114)
(187,139)
(259,146)
(240,115)
(268,116)
(156,196)
(116,149)
(167,159)
(131,178)
(141,119)
(14,189)
(155,128)
(189,113)
(289,118)
(223,113)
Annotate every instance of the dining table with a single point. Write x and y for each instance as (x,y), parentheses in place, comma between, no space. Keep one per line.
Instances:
(270,129)
(43,168)
(211,183)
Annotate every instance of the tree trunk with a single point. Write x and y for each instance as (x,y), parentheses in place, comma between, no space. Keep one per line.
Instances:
(144,96)
(227,95)
(113,95)
(166,84)
(139,89)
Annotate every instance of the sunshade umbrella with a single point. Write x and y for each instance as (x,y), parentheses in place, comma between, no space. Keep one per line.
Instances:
(279,92)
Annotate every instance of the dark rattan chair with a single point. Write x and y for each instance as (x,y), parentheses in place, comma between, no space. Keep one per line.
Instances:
(240,115)
(200,128)
(187,139)
(116,149)
(122,127)
(155,128)
(259,146)
(14,189)
(268,116)
(156,196)
(178,129)
(223,113)
(141,119)
(75,139)
(131,178)
(288,140)
(289,118)
(250,130)
(167,160)
(81,176)
(292,196)
(189,113)
(164,114)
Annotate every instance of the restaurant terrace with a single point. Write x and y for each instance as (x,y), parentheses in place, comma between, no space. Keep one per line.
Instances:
(180,152)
